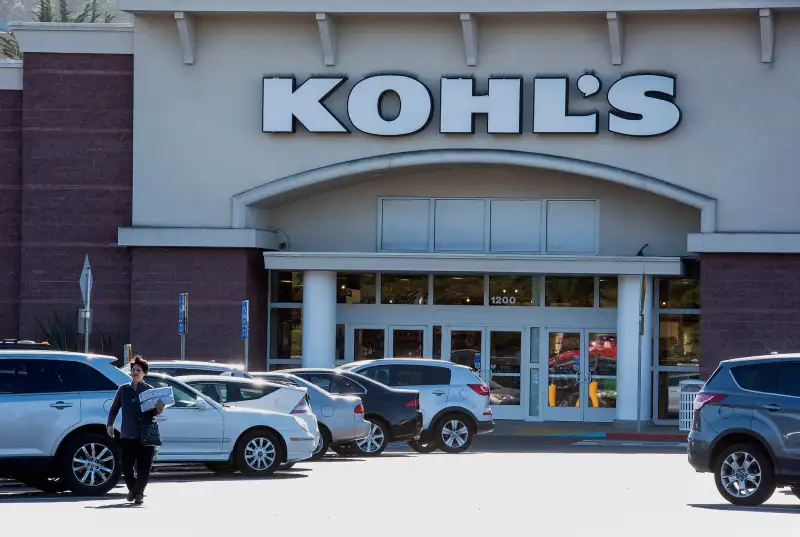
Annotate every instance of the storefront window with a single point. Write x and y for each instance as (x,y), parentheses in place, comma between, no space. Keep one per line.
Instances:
(570,292)
(679,294)
(513,291)
(287,334)
(609,287)
(678,340)
(669,393)
(458,290)
(404,289)
(369,344)
(340,331)
(355,289)
(287,287)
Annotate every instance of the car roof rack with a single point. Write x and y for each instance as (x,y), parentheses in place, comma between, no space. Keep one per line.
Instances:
(23,344)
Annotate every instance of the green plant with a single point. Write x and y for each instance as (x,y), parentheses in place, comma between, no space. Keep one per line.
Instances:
(9,47)
(61,331)
(109,345)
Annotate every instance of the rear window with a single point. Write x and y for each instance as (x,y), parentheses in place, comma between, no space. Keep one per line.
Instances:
(758,377)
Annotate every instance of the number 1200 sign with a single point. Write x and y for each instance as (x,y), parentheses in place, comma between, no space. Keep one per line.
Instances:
(503,300)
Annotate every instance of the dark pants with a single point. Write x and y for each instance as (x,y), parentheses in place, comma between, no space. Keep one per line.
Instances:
(134,454)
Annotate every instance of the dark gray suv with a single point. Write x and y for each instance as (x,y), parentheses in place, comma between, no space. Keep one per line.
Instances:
(746,428)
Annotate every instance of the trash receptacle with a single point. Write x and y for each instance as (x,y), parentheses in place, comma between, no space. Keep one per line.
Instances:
(688,391)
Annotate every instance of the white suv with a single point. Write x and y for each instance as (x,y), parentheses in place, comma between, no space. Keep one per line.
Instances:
(453,400)
(53,411)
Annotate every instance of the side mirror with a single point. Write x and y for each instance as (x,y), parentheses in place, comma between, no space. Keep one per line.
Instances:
(202,404)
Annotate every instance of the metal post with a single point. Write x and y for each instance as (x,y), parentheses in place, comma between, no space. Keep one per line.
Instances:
(639,357)
(246,332)
(183,346)
(183,317)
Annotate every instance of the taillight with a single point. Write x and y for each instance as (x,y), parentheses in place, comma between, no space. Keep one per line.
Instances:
(414,403)
(301,408)
(480,389)
(703,399)
(359,409)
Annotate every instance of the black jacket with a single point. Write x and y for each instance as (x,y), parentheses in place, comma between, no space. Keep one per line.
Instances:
(133,418)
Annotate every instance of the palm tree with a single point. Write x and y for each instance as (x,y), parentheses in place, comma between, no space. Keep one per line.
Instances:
(45,11)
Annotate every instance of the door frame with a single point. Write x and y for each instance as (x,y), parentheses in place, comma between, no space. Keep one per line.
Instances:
(582,413)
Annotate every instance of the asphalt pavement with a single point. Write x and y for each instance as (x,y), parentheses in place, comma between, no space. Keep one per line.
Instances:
(515,486)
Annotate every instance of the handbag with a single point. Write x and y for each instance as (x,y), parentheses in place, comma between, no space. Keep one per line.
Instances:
(151,435)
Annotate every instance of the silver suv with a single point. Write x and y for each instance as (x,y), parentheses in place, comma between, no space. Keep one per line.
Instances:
(53,410)
(454,401)
(746,428)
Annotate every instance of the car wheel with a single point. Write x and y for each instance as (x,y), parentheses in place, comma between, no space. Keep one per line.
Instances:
(454,434)
(744,475)
(88,464)
(324,444)
(221,468)
(423,447)
(375,442)
(259,453)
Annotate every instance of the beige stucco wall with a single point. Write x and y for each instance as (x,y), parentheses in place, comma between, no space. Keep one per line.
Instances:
(346,219)
(198,138)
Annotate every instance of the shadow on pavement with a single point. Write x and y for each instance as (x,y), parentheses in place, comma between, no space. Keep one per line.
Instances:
(41,497)
(192,478)
(781,509)
(572,445)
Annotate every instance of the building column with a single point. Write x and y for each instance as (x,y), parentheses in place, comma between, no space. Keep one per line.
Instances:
(319,318)
(628,340)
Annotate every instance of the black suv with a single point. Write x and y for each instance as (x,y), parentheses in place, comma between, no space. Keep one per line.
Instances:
(746,428)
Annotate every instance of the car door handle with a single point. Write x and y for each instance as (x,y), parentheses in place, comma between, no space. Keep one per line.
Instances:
(439,392)
(61,404)
(772,407)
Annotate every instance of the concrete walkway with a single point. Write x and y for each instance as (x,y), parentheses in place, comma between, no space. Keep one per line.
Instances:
(616,430)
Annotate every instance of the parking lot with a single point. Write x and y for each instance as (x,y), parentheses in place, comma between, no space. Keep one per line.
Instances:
(503,485)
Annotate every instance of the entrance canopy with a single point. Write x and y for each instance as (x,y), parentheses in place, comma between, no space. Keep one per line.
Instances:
(472,263)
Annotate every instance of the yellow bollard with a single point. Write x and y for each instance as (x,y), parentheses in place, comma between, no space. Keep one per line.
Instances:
(551,395)
(593,394)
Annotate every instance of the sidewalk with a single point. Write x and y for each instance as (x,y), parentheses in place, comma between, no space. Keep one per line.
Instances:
(615,431)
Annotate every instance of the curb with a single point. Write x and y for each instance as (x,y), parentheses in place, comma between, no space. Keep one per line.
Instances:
(609,436)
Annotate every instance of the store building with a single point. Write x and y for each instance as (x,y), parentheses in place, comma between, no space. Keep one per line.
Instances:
(501,186)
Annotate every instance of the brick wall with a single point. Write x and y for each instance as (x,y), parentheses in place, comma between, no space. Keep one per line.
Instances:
(10,218)
(217,281)
(77,161)
(748,301)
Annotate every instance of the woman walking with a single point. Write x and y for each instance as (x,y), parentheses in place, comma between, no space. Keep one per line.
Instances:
(134,452)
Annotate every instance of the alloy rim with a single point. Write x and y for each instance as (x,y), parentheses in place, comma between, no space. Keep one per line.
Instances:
(455,433)
(259,454)
(319,446)
(93,464)
(373,441)
(741,474)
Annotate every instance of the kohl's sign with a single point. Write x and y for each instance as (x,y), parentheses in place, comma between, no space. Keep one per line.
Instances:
(640,105)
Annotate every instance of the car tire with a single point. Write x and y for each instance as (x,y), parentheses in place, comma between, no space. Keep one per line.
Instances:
(741,457)
(221,468)
(103,456)
(375,443)
(324,444)
(423,447)
(454,433)
(258,453)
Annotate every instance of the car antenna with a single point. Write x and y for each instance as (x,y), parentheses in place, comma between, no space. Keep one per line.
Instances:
(770,351)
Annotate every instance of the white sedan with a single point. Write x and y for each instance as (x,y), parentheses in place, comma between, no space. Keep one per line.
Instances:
(254,393)
(255,442)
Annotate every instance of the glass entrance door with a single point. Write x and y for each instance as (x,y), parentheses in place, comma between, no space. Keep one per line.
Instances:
(582,375)
(496,356)
(502,373)
(407,342)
